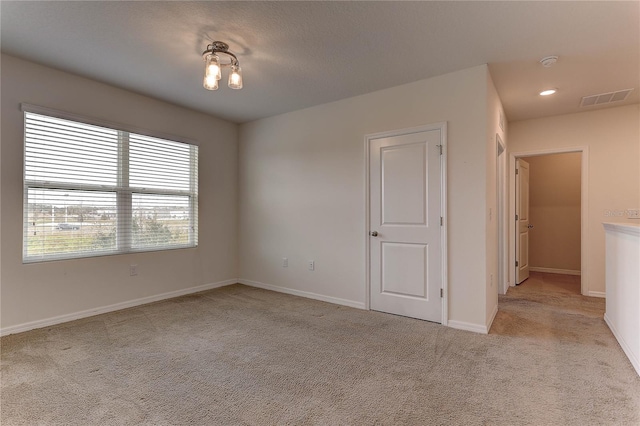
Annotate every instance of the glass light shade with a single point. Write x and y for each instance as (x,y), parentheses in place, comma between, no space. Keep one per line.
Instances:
(235,78)
(210,82)
(212,67)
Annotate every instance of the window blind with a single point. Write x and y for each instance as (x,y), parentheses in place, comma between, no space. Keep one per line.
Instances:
(92,190)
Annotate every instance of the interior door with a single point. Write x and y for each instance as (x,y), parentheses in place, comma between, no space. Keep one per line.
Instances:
(405,226)
(522,220)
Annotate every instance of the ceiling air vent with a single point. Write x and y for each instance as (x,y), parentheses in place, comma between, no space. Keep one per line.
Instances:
(605,98)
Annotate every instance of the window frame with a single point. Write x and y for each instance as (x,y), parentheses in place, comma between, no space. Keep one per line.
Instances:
(122,190)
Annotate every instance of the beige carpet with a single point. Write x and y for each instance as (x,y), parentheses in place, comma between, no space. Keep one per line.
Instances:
(245,356)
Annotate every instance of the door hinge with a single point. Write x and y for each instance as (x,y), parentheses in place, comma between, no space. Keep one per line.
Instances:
(441,221)
(441,292)
(516,171)
(516,217)
(517,263)
(440,147)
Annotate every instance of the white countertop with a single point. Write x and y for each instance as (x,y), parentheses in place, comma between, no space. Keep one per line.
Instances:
(626,227)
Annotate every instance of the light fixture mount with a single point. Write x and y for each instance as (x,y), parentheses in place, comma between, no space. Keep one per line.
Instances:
(213,66)
(548,61)
(220,46)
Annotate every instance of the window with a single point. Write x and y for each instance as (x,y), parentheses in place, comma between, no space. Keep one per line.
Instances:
(91,190)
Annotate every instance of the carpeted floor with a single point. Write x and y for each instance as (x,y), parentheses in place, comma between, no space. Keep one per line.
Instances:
(245,356)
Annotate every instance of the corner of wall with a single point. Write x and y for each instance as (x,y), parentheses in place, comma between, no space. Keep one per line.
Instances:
(41,292)
(495,126)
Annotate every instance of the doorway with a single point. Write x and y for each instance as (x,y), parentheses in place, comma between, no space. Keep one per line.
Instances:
(523,220)
(406,241)
(555,228)
(502,230)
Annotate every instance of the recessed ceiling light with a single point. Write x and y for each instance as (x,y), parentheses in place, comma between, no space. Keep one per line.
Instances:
(548,92)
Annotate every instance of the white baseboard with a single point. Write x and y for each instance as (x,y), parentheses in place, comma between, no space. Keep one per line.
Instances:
(554,270)
(110,308)
(493,316)
(467,326)
(623,344)
(597,294)
(307,294)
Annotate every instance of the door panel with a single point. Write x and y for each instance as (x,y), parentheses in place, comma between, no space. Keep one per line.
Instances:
(404,269)
(406,254)
(402,204)
(522,222)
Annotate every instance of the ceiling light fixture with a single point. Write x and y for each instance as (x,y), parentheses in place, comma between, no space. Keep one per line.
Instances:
(213,66)
(548,92)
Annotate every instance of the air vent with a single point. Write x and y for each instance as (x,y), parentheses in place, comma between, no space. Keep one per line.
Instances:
(605,98)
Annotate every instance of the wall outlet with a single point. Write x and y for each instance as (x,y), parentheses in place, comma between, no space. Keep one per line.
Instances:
(312,265)
(491,280)
(285,262)
(133,270)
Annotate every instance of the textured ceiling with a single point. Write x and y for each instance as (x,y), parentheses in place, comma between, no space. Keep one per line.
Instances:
(299,54)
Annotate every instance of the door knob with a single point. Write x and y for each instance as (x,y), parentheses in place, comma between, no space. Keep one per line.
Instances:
(373,233)
(530,226)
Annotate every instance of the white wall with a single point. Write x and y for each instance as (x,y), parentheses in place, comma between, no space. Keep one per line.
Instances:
(38,292)
(302,190)
(494,114)
(612,137)
(301,195)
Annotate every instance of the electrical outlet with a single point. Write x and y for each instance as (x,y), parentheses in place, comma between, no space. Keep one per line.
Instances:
(491,280)
(312,265)
(133,270)
(285,262)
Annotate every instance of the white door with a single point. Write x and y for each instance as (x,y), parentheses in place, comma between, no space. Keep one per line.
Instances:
(522,220)
(405,227)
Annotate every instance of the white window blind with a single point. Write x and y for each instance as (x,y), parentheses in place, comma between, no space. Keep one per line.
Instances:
(92,190)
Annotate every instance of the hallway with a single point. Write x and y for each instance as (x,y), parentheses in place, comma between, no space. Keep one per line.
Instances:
(546,283)
(548,304)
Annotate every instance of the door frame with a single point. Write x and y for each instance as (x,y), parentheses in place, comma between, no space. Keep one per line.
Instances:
(442,126)
(501,209)
(521,275)
(584,213)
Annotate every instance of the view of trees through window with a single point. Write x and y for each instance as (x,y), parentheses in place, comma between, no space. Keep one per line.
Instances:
(75,227)
(92,190)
